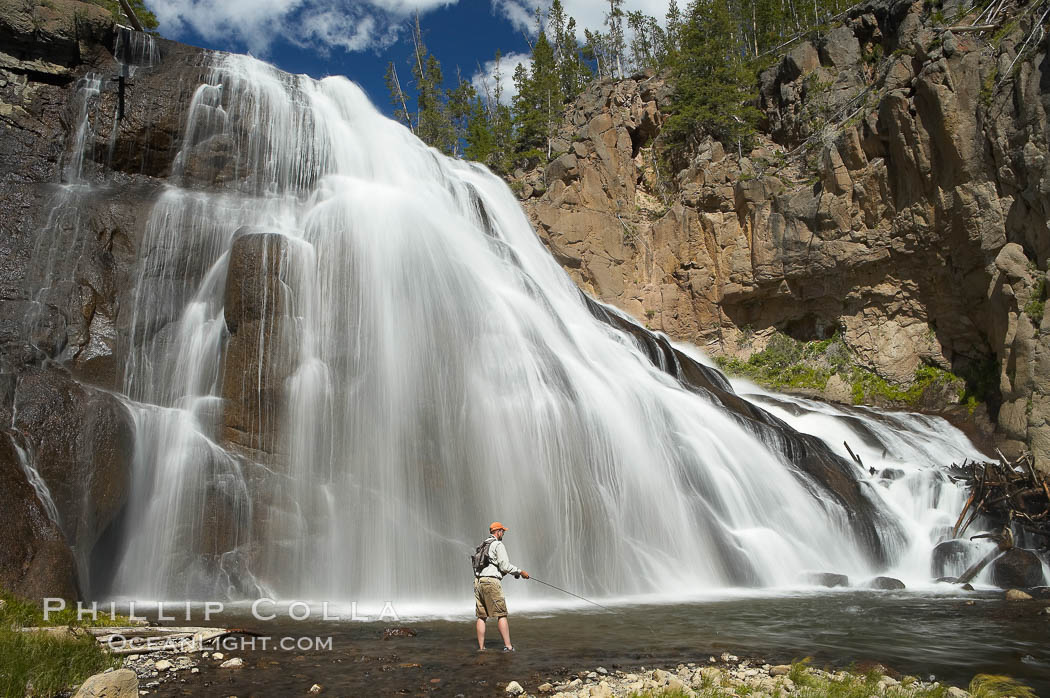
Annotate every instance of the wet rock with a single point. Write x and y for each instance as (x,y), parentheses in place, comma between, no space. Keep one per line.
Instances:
(315,689)
(35,559)
(827,579)
(514,689)
(951,557)
(163,665)
(82,444)
(235,663)
(546,687)
(1017,567)
(121,683)
(886,584)
(1017,595)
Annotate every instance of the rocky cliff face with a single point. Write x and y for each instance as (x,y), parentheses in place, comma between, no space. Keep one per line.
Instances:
(898,196)
(64,295)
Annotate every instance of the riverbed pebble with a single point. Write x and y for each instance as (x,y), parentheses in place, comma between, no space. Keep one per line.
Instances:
(748,676)
(514,688)
(235,663)
(1017,595)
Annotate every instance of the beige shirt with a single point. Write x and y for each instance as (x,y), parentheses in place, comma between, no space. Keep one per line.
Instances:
(499,562)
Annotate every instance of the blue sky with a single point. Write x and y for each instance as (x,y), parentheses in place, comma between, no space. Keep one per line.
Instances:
(357,38)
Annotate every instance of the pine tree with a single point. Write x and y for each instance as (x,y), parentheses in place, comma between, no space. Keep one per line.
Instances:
(672,32)
(615,41)
(147,18)
(397,96)
(459,105)
(647,41)
(574,72)
(713,85)
(538,104)
(596,48)
(432,123)
(480,138)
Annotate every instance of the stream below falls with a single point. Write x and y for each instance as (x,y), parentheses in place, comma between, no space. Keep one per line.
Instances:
(922,634)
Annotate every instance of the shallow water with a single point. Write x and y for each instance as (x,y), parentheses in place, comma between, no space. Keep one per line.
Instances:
(922,635)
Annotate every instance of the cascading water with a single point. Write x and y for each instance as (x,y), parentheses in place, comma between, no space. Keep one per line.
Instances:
(908,453)
(350,353)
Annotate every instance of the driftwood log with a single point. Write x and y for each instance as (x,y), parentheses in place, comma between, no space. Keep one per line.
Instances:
(142,640)
(1008,494)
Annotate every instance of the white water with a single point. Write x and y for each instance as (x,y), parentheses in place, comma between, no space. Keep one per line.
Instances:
(426,367)
(908,452)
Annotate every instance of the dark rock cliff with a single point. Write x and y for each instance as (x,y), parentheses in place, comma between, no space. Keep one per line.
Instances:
(898,195)
(64,296)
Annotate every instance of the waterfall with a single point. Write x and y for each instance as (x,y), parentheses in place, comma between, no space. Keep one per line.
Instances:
(908,453)
(349,353)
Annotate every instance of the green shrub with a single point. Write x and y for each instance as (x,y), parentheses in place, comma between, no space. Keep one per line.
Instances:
(1035,306)
(868,385)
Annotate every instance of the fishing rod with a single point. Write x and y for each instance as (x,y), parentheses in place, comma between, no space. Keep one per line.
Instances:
(566,591)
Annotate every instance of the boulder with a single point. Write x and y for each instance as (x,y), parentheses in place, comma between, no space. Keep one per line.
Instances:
(563,169)
(840,48)
(122,683)
(1017,595)
(827,579)
(952,557)
(1017,567)
(885,584)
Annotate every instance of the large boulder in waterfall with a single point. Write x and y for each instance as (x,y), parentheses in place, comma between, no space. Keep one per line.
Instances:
(254,287)
(262,351)
(885,584)
(81,441)
(1017,567)
(950,558)
(826,579)
(35,560)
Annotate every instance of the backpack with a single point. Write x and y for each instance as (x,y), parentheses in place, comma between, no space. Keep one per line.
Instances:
(480,559)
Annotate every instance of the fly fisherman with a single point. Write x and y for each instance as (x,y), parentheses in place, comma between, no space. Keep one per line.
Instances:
(490,564)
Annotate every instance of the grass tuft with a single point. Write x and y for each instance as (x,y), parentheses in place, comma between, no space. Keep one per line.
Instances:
(41,664)
(996,686)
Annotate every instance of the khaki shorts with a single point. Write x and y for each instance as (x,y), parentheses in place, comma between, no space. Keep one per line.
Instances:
(488,598)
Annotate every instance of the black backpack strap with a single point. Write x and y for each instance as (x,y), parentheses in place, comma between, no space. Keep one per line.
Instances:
(485,559)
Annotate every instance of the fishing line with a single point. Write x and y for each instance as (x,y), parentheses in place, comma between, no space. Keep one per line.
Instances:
(566,591)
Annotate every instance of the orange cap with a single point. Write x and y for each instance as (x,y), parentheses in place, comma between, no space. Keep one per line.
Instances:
(496,526)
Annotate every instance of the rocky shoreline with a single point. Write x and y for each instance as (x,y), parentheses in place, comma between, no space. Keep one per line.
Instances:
(727,675)
(730,675)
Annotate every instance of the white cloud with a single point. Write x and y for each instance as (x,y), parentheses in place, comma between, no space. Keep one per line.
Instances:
(353,25)
(589,14)
(484,80)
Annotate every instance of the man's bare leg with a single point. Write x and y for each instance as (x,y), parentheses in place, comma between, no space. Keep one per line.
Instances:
(504,629)
(481,633)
